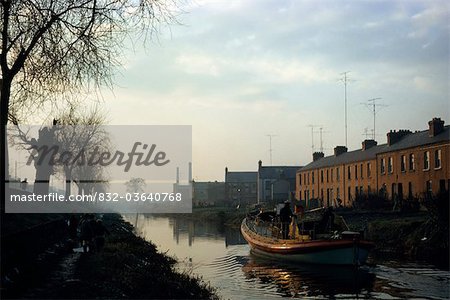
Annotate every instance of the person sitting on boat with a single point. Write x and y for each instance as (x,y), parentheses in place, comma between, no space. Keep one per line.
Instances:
(299,212)
(285,218)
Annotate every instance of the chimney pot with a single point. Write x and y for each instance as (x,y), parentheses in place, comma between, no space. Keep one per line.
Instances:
(317,155)
(436,126)
(395,136)
(367,144)
(338,150)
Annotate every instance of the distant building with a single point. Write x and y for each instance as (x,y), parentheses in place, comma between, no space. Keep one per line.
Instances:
(186,188)
(409,165)
(275,183)
(208,193)
(240,187)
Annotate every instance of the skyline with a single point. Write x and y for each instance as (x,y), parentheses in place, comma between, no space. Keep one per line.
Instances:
(241,70)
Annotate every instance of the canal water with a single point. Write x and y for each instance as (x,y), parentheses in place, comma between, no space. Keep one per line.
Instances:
(220,256)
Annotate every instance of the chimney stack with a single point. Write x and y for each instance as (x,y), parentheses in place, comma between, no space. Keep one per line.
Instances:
(436,126)
(367,144)
(395,136)
(190,172)
(317,155)
(338,150)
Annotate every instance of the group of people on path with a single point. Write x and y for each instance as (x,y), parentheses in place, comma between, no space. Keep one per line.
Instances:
(88,231)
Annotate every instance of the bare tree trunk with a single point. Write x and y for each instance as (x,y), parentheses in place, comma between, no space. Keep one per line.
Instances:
(42,182)
(4,165)
(68,182)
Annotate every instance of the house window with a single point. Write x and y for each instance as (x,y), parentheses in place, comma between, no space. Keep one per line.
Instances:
(403,163)
(369,190)
(356,191)
(356,171)
(411,162)
(338,195)
(361,190)
(383,166)
(437,159)
(308,178)
(313,195)
(349,193)
(390,163)
(332,175)
(299,179)
(321,176)
(361,170)
(312,174)
(349,172)
(338,176)
(369,167)
(328,174)
(426,160)
(410,190)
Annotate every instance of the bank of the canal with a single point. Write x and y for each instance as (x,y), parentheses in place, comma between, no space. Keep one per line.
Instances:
(128,267)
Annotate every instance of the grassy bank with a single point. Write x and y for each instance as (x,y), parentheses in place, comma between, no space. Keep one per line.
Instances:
(128,267)
(413,237)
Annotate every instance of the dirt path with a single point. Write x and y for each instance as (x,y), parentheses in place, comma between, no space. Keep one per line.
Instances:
(59,282)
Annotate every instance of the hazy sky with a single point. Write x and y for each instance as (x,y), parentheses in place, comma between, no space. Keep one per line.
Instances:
(239,70)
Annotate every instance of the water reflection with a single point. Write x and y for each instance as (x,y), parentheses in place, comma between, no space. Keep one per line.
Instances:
(222,257)
(310,280)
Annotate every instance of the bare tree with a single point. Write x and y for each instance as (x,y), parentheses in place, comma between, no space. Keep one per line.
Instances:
(80,132)
(135,185)
(52,48)
(41,152)
(62,148)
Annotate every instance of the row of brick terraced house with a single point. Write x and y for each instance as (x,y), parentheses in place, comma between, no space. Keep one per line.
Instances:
(409,165)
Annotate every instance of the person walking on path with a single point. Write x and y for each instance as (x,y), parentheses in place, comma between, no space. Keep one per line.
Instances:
(87,233)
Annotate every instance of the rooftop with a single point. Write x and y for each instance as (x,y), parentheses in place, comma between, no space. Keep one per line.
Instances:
(275,171)
(415,139)
(241,176)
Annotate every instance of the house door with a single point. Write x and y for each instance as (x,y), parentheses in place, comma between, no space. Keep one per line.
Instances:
(400,191)
(328,197)
(393,190)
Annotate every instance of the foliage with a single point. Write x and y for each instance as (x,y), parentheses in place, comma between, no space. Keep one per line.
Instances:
(54,47)
(135,185)
(371,201)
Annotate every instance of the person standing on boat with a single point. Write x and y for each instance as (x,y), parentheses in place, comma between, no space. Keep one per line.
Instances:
(285,218)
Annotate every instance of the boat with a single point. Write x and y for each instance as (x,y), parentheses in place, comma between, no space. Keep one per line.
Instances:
(316,240)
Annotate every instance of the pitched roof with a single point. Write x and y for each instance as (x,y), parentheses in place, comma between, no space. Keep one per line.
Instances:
(420,138)
(344,158)
(241,177)
(274,172)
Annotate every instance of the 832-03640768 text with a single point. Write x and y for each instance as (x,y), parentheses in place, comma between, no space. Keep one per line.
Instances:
(99,197)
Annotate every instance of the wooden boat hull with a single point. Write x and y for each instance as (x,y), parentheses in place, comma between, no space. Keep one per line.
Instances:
(336,252)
